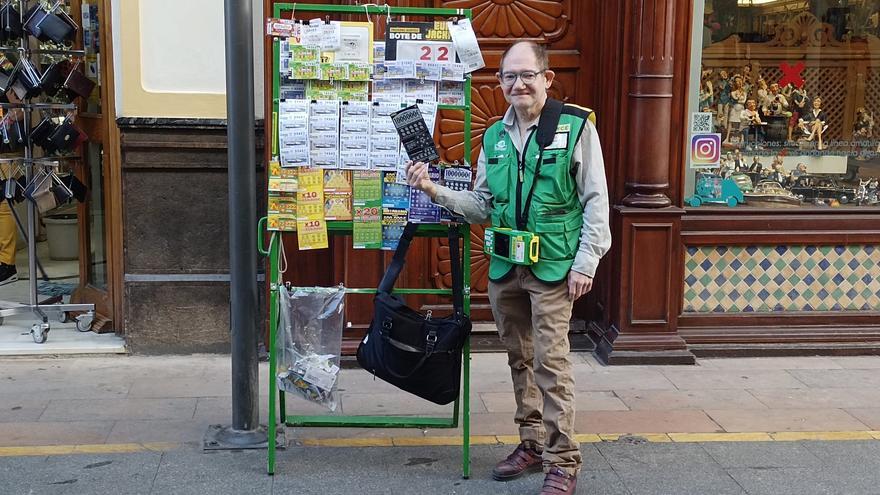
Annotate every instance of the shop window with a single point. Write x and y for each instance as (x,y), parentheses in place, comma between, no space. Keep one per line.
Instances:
(785,106)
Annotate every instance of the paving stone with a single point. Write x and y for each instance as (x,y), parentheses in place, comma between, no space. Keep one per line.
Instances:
(584,401)
(805,481)
(773,363)
(586,358)
(611,378)
(625,457)
(804,398)
(182,387)
(396,403)
(680,479)
(53,433)
(846,378)
(845,454)
(189,431)
(344,470)
(491,361)
(741,379)
(23,409)
(592,459)
(497,381)
(870,416)
(219,409)
(858,362)
(481,424)
(645,421)
(689,399)
(86,474)
(194,472)
(25,475)
(100,409)
(61,388)
(761,454)
(770,420)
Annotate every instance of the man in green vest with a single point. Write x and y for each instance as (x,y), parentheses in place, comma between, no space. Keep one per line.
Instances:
(540,170)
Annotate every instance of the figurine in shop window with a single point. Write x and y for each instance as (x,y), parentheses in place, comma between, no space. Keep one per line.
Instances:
(863,131)
(738,100)
(798,108)
(814,123)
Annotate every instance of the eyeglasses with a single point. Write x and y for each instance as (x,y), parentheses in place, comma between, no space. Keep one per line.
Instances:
(526,76)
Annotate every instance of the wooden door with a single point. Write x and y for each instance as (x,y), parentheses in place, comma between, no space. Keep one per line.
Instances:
(98,216)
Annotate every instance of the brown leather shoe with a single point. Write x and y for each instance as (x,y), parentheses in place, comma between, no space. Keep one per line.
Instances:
(525,459)
(558,482)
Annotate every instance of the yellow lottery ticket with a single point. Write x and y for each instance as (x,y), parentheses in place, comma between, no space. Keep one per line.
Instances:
(311,179)
(312,234)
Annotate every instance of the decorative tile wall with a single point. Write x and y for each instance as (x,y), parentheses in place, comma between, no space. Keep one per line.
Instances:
(720,279)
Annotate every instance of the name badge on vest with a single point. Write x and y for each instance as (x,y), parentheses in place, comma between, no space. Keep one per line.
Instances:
(560,141)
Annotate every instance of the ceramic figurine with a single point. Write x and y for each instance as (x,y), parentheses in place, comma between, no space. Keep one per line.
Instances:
(707,91)
(778,104)
(798,108)
(814,123)
(722,92)
(752,121)
(738,101)
(863,130)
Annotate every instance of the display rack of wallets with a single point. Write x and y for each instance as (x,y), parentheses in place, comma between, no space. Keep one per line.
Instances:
(41,87)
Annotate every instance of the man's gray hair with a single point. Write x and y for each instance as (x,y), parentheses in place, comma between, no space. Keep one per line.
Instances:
(539,50)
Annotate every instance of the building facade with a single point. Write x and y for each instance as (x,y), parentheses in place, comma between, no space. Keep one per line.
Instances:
(764,276)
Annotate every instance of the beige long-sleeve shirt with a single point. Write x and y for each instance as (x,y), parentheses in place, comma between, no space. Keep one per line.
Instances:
(588,168)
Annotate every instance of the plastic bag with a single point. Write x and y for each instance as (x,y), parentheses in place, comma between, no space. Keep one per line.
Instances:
(310,342)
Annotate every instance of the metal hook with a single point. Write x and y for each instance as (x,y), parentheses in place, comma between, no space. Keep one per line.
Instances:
(367,11)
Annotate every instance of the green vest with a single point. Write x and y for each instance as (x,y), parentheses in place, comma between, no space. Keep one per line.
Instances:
(555,212)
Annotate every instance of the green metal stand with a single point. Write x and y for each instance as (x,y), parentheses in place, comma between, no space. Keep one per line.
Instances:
(428,230)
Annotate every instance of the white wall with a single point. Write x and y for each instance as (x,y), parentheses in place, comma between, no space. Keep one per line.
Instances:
(179,54)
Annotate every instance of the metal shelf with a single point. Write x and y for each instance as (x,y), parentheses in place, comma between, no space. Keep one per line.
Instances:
(41,106)
(41,160)
(58,51)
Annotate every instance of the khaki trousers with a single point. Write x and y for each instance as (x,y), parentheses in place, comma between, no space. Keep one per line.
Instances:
(8,229)
(533,320)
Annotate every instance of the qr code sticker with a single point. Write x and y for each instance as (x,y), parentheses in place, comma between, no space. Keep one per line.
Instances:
(701,122)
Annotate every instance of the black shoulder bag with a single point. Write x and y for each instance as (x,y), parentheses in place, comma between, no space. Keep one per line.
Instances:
(410,350)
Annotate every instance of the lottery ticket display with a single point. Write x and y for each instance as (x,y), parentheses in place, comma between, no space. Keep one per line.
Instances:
(352,111)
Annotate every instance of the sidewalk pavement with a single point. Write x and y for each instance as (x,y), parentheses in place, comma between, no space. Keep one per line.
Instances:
(717,468)
(757,425)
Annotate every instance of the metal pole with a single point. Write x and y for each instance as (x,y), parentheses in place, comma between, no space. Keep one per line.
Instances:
(242,211)
(245,430)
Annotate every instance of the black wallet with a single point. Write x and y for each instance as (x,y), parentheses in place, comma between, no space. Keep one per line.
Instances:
(53,78)
(10,23)
(27,84)
(40,135)
(65,137)
(76,186)
(49,26)
(77,84)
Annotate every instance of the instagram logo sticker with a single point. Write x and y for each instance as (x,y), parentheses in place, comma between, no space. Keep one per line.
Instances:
(705,150)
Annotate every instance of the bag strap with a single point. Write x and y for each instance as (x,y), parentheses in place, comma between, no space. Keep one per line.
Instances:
(394,269)
(457,278)
(547,124)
